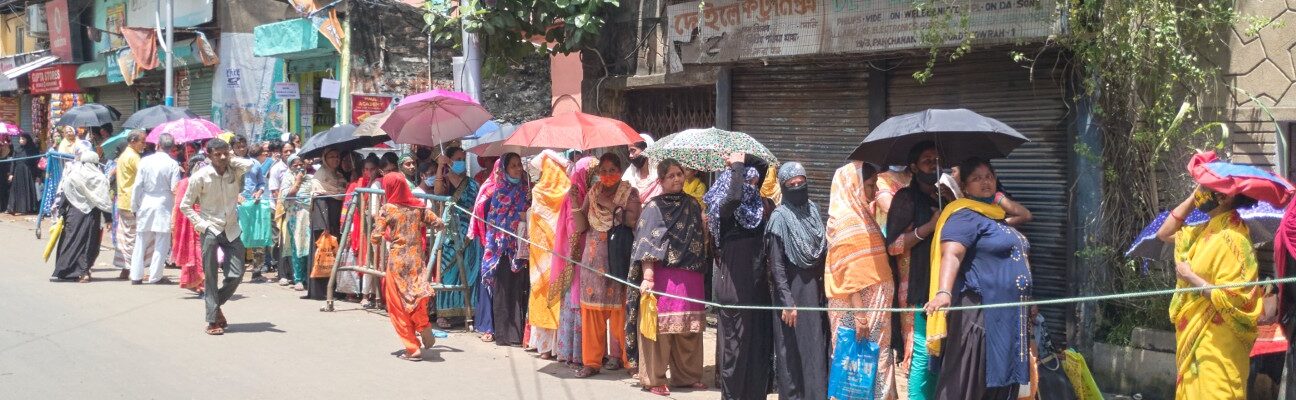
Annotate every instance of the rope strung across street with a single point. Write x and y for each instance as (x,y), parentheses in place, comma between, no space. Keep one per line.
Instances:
(56,155)
(1066,300)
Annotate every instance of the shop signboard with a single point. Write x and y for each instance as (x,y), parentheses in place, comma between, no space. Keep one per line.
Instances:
(188,13)
(287,90)
(717,31)
(9,109)
(53,79)
(60,32)
(6,84)
(364,106)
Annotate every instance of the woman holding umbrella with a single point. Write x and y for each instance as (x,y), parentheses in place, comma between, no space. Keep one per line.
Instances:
(460,257)
(22,177)
(1216,328)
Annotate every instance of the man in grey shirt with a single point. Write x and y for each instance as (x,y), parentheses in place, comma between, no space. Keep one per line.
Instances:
(215,190)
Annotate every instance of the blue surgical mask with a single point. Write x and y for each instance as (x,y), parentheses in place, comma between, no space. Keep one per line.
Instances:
(459,167)
(513,180)
(430,181)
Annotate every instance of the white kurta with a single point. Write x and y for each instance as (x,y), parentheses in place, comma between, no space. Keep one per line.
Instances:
(154,197)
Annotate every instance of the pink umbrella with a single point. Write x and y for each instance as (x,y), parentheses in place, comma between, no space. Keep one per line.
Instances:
(573,130)
(435,117)
(185,130)
(8,129)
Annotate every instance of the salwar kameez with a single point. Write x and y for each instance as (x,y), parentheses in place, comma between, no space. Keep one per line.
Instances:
(602,305)
(186,249)
(878,331)
(407,288)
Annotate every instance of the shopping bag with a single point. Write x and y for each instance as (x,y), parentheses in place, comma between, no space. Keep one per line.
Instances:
(1077,370)
(854,367)
(254,221)
(56,231)
(326,248)
(648,316)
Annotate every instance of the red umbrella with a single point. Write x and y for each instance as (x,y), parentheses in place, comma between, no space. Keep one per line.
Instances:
(574,130)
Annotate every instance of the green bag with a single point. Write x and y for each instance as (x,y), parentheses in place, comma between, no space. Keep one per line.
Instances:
(255,220)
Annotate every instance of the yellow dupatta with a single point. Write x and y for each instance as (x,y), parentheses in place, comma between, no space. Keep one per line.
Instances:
(770,188)
(936,321)
(696,189)
(542,220)
(1216,329)
(856,257)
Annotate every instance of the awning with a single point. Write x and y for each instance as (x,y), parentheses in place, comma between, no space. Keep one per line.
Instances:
(290,39)
(29,67)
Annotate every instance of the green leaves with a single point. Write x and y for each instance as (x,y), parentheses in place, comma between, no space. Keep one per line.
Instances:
(506,27)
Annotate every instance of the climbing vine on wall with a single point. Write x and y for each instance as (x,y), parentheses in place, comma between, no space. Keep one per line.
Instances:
(506,28)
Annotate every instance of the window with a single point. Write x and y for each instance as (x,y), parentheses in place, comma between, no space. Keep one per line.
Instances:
(20,40)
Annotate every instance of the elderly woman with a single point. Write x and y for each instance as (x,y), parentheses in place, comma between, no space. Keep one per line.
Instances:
(671,246)
(85,206)
(1214,328)
(610,202)
(402,224)
(858,274)
(795,248)
(327,185)
(503,203)
(569,244)
(736,219)
(979,258)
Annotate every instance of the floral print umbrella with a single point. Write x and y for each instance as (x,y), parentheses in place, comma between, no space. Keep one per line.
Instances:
(706,149)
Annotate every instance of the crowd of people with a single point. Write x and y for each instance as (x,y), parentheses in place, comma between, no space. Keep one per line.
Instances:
(538,246)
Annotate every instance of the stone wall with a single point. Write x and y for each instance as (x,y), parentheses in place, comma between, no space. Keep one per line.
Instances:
(1259,68)
(389,48)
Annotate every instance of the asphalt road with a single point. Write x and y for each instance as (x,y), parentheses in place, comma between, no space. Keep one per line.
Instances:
(108,339)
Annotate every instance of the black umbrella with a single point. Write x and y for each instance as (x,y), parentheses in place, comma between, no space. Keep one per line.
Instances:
(89,116)
(342,137)
(151,117)
(958,134)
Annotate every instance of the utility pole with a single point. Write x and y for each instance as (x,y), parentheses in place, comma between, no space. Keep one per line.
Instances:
(471,58)
(170,52)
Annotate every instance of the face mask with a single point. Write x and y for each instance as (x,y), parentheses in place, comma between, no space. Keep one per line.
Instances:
(925,178)
(639,161)
(609,180)
(513,180)
(429,181)
(458,167)
(798,196)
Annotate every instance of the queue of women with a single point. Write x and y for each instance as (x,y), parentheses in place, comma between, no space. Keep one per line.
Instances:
(549,239)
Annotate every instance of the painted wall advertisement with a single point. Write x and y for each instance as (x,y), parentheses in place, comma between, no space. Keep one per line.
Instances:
(729,30)
(364,106)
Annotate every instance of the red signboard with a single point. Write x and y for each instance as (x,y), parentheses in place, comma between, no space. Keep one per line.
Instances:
(60,32)
(53,79)
(364,106)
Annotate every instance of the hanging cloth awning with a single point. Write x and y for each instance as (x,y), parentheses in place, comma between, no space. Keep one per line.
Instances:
(21,70)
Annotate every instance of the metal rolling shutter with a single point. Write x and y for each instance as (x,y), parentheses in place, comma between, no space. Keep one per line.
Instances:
(811,114)
(199,97)
(25,113)
(1037,173)
(120,97)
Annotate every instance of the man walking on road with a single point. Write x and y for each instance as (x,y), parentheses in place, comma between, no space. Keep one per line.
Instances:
(215,189)
(152,201)
(127,166)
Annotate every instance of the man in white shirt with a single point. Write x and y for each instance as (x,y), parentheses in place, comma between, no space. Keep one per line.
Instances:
(274,183)
(642,174)
(215,190)
(152,200)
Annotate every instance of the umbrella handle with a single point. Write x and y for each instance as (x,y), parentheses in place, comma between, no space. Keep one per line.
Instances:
(554,104)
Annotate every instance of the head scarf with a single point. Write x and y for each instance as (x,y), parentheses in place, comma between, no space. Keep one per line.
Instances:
(800,227)
(856,257)
(695,188)
(329,181)
(506,208)
(670,232)
(25,150)
(85,186)
(750,210)
(565,244)
(547,200)
(397,191)
(771,188)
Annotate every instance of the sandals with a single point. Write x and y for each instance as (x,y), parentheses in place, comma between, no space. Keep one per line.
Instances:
(84,279)
(215,330)
(586,372)
(220,319)
(408,357)
(696,386)
(488,337)
(660,390)
(546,356)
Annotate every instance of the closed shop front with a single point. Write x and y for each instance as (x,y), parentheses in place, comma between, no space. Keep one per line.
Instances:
(120,97)
(668,110)
(193,90)
(808,113)
(1036,174)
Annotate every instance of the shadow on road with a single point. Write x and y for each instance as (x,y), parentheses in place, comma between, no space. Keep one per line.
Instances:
(253,327)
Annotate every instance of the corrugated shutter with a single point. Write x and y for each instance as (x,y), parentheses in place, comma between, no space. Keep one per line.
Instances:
(1036,174)
(25,113)
(122,98)
(200,92)
(808,113)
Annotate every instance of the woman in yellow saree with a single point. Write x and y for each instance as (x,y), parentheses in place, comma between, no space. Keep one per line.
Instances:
(1214,329)
(546,201)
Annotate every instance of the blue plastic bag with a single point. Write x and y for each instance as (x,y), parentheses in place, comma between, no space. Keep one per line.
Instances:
(854,367)
(254,221)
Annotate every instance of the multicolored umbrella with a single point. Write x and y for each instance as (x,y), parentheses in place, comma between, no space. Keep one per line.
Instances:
(1233,179)
(707,149)
(1262,220)
(185,130)
(435,117)
(8,129)
(575,130)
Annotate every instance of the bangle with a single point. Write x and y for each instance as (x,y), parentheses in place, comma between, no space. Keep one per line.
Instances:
(1172,215)
(946,292)
(915,233)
